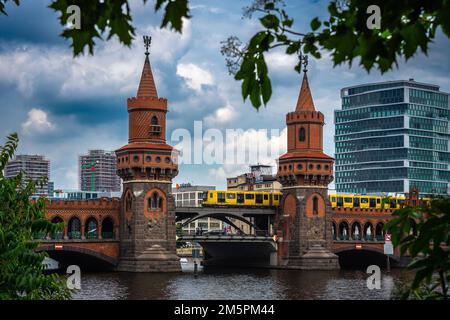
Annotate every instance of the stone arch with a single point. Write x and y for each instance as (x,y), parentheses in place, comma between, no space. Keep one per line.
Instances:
(60,233)
(343,230)
(74,228)
(108,228)
(91,228)
(356,230)
(333,230)
(368,231)
(315,205)
(50,249)
(379,231)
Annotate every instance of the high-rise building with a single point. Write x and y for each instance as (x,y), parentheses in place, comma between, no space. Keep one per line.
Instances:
(392,136)
(35,167)
(98,171)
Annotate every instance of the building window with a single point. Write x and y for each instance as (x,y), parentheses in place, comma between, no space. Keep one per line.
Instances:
(315,205)
(154,121)
(301,134)
(155,202)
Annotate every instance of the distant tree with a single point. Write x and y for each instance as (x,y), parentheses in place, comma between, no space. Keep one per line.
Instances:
(423,232)
(21,268)
(406,26)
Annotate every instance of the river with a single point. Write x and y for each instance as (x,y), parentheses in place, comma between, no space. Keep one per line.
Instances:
(236,284)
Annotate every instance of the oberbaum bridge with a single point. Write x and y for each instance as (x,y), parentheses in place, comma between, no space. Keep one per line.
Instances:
(137,232)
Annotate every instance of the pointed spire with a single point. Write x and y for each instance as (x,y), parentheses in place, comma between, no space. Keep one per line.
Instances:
(147,86)
(305,101)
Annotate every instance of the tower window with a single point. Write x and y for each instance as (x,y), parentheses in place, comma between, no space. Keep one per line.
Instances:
(155,202)
(315,205)
(154,121)
(301,134)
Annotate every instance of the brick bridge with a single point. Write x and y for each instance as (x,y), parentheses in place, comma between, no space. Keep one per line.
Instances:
(91,230)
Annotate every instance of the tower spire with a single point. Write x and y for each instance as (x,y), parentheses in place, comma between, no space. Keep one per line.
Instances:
(305,101)
(147,87)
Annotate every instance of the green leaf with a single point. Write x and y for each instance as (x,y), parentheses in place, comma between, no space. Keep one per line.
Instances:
(315,24)
(270,21)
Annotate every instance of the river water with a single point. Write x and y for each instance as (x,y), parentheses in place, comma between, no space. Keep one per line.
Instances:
(236,284)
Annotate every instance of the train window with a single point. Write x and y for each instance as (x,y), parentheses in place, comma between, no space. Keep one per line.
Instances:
(378,200)
(231,196)
(220,197)
(372,203)
(205,196)
(356,202)
(333,199)
(275,197)
(364,200)
(259,198)
(401,203)
(240,198)
(348,200)
(393,204)
(250,196)
(266,197)
(340,202)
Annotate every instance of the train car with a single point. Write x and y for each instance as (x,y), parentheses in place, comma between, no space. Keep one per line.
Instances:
(227,198)
(367,201)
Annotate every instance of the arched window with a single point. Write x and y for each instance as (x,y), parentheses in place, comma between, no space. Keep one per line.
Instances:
(107,228)
(154,121)
(60,233)
(155,202)
(128,201)
(315,205)
(74,228)
(301,134)
(91,229)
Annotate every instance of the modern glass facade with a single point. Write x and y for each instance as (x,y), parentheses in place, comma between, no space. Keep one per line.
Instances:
(392,136)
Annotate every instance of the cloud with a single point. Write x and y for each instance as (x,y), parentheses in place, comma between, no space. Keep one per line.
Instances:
(194,76)
(37,121)
(222,115)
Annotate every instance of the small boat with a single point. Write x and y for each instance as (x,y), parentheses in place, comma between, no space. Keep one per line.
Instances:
(50,264)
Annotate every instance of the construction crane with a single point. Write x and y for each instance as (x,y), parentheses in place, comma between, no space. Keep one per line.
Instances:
(91,167)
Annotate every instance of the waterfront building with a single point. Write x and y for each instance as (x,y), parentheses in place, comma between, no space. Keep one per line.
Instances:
(392,136)
(260,178)
(98,171)
(34,167)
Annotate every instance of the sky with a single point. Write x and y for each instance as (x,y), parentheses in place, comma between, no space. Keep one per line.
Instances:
(63,106)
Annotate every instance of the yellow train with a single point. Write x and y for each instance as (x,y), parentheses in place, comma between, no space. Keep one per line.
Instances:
(241,198)
(272,199)
(369,201)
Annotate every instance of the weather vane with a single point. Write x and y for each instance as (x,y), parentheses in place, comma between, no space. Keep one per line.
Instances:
(303,60)
(147,43)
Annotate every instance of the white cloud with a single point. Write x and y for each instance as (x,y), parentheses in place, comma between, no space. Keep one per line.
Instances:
(37,121)
(221,115)
(194,76)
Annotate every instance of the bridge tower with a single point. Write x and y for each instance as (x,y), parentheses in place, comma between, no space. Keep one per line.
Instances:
(147,165)
(304,223)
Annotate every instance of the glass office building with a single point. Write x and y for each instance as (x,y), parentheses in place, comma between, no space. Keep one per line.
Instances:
(391,136)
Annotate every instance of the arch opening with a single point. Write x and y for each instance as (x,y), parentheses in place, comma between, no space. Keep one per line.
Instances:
(107,228)
(74,228)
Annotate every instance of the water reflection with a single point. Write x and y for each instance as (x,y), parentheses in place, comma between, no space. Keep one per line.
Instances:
(235,284)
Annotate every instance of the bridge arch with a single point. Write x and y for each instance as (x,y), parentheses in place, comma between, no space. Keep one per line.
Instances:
(59,234)
(220,216)
(368,231)
(87,259)
(343,230)
(350,257)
